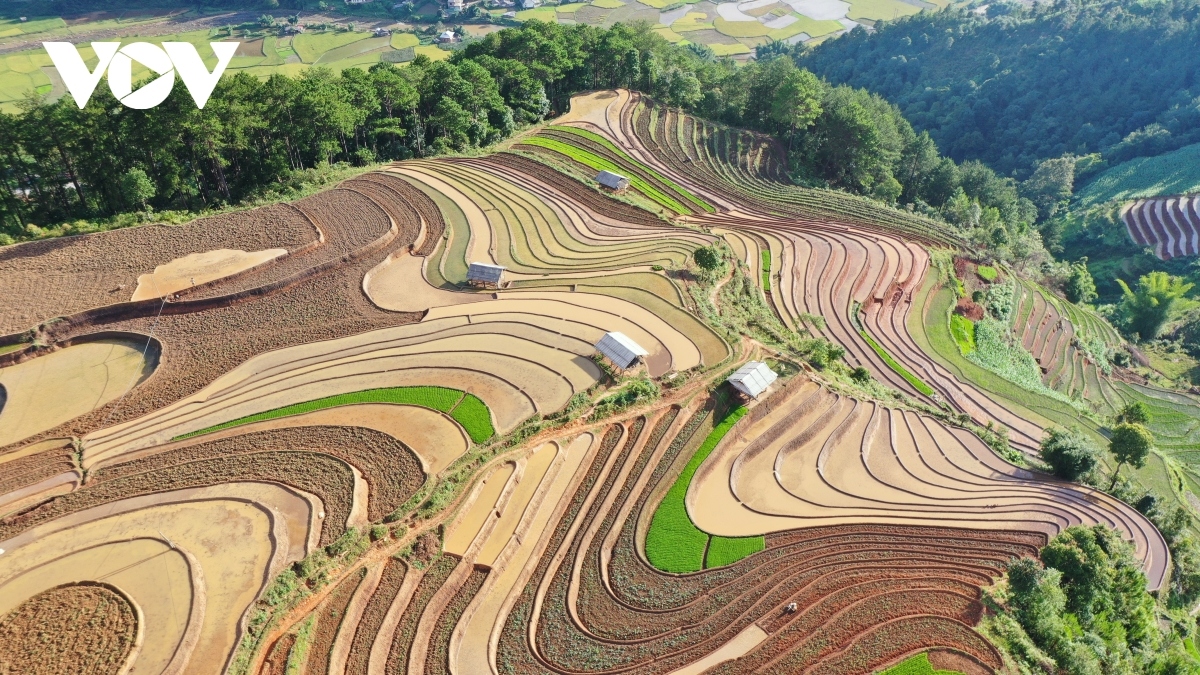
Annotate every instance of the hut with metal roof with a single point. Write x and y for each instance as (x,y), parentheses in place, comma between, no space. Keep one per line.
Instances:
(753,378)
(485,275)
(621,350)
(612,181)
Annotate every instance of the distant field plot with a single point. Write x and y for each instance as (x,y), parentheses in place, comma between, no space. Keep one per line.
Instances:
(546,14)
(312,46)
(803,24)
(880,10)
(740,29)
(1173,173)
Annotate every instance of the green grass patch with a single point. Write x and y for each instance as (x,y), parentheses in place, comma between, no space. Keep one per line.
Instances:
(915,381)
(740,29)
(311,46)
(546,14)
(804,24)
(464,408)
(403,40)
(987,273)
(674,543)
(473,414)
(766,269)
(598,163)
(668,34)
(728,550)
(1173,173)
(730,50)
(299,652)
(1189,644)
(916,665)
(10,28)
(962,330)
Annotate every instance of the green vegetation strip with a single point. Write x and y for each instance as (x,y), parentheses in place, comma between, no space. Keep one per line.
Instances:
(766,270)
(600,164)
(892,363)
(600,140)
(674,543)
(962,330)
(464,408)
(917,665)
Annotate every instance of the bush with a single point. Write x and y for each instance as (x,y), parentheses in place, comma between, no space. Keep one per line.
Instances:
(633,393)
(1080,287)
(1000,300)
(987,273)
(1069,453)
(708,258)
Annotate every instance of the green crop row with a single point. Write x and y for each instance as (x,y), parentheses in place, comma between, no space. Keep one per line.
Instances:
(766,269)
(593,161)
(917,665)
(674,543)
(915,381)
(466,409)
(728,550)
(474,416)
(600,140)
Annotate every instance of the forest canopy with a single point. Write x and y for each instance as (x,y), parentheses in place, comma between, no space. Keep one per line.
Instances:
(1016,84)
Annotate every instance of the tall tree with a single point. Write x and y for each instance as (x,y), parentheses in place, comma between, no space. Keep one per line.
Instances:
(1149,307)
(1130,444)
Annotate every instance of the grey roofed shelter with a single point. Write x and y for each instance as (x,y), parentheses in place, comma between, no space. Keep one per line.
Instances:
(484,273)
(620,349)
(614,181)
(753,378)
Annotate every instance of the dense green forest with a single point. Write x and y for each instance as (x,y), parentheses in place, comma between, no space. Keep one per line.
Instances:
(61,164)
(1016,84)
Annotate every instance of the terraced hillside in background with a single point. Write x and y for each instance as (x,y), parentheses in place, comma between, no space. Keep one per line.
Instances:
(305,444)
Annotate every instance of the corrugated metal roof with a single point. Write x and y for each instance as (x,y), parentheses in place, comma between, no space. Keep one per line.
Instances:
(611,180)
(753,378)
(620,349)
(485,272)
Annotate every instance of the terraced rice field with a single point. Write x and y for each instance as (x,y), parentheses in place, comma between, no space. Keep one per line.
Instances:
(1169,225)
(342,458)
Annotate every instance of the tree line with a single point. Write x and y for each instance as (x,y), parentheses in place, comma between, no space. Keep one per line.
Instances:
(59,163)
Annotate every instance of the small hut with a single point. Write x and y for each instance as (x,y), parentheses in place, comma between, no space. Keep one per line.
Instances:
(612,181)
(485,275)
(447,36)
(621,350)
(753,378)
